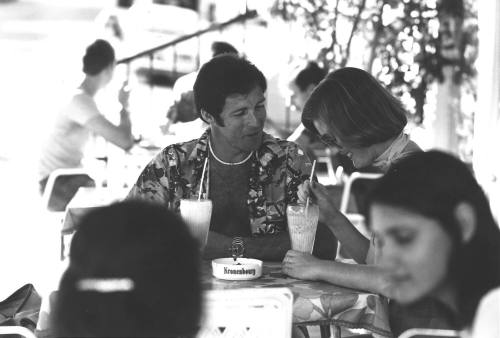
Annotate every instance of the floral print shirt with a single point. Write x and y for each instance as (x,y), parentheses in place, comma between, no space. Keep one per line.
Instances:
(277,170)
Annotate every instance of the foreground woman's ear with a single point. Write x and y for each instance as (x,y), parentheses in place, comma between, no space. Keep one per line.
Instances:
(467,220)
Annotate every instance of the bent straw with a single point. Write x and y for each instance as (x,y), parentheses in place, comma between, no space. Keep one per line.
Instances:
(202,178)
(310,180)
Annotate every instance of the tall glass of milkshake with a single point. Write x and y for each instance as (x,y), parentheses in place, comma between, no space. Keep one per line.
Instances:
(197,214)
(302,226)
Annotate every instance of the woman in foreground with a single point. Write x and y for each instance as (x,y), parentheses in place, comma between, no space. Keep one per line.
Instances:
(133,272)
(436,233)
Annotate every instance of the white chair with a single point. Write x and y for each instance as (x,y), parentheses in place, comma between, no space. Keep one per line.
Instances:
(57,217)
(19,330)
(348,185)
(247,313)
(356,219)
(430,332)
(49,187)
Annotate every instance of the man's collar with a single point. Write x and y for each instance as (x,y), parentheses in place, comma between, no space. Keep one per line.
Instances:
(269,145)
(201,146)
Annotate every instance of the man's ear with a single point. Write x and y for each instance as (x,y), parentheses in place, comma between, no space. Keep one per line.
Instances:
(207,117)
(467,220)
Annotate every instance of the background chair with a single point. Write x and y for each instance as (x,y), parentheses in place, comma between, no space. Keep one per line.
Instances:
(429,333)
(55,179)
(245,313)
(356,219)
(16,330)
(57,213)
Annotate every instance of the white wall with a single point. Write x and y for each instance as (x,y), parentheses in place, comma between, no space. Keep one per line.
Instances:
(487,120)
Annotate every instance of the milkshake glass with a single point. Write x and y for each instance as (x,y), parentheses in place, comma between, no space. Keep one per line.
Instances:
(197,214)
(302,226)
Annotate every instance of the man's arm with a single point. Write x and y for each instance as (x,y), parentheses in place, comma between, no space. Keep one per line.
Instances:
(153,183)
(121,134)
(266,248)
(270,247)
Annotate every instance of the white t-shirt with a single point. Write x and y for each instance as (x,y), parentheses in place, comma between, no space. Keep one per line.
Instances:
(487,319)
(66,143)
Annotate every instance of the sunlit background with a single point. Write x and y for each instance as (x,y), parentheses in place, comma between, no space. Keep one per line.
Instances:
(437,56)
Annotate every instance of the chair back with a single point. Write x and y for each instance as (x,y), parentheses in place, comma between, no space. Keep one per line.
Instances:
(18,330)
(348,185)
(429,333)
(356,219)
(247,313)
(51,182)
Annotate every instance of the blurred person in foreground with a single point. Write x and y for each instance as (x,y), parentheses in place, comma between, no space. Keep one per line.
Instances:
(252,176)
(436,233)
(183,109)
(133,272)
(80,118)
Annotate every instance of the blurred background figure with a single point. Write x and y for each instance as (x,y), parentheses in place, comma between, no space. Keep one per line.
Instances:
(133,272)
(302,86)
(436,232)
(78,120)
(183,109)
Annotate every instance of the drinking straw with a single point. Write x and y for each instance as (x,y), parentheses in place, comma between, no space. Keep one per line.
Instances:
(310,180)
(202,177)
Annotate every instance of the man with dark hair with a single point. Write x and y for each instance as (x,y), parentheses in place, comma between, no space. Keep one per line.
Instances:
(252,176)
(78,119)
(183,109)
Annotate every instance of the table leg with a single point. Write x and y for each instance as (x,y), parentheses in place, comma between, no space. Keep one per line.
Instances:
(336,332)
(303,330)
(325,330)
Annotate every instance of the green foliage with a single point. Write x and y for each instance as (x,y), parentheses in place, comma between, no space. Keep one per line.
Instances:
(406,43)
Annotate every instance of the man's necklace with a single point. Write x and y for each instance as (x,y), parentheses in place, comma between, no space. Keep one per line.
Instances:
(227,163)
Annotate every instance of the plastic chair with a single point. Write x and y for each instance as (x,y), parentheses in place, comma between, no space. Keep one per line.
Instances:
(348,185)
(429,332)
(325,156)
(49,187)
(346,193)
(18,330)
(247,313)
(58,216)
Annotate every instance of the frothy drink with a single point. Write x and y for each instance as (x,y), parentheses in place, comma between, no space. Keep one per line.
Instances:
(196,214)
(302,226)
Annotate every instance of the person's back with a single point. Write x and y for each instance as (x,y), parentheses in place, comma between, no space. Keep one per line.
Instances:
(80,118)
(133,272)
(70,127)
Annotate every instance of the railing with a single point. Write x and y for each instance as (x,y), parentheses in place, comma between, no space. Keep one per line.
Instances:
(249,14)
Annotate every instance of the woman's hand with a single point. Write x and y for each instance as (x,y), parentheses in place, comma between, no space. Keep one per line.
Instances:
(301,265)
(303,192)
(326,203)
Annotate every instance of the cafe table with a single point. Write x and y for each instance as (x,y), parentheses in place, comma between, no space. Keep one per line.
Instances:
(317,303)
